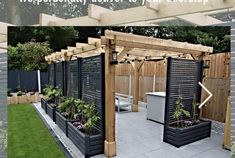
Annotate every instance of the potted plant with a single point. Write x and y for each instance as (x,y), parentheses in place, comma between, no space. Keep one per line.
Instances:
(65,111)
(53,95)
(188,127)
(83,132)
(180,113)
(44,99)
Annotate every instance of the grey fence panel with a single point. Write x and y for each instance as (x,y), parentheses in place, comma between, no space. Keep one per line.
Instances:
(28,80)
(51,74)
(59,77)
(44,79)
(72,78)
(25,80)
(13,80)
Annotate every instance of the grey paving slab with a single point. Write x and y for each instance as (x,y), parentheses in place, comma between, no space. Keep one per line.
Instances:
(164,152)
(133,129)
(140,138)
(213,153)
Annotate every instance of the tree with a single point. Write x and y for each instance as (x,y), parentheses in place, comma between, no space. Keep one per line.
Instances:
(58,37)
(28,56)
(217,37)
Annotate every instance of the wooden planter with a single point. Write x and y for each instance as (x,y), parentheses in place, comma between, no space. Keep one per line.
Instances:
(61,121)
(88,145)
(23,99)
(12,100)
(51,112)
(32,98)
(182,136)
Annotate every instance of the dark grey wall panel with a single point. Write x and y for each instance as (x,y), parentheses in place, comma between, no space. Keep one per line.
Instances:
(25,80)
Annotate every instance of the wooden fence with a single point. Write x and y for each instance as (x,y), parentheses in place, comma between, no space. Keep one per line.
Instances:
(153,78)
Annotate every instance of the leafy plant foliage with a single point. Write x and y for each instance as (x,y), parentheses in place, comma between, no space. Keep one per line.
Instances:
(28,56)
(85,114)
(180,112)
(53,94)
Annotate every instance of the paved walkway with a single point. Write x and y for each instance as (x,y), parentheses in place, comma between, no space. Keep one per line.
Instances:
(140,138)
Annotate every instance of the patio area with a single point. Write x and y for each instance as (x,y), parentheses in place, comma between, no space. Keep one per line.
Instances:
(140,138)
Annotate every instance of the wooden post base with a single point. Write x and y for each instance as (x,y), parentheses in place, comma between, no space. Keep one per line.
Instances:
(135,108)
(109,149)
(227,129)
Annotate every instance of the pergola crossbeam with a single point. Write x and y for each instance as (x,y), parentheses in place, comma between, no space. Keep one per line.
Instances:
(80,21)
(165,10)
(95,11)
(143,42)
(199,19)
(123,53)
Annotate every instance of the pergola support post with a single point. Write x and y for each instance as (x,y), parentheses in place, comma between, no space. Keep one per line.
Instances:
(137,65)
(110,140)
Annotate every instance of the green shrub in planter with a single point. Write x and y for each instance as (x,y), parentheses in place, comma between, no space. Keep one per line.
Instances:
(53,95)
(188,127)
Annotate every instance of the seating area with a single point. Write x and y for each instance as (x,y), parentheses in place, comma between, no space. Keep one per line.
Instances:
(123,102)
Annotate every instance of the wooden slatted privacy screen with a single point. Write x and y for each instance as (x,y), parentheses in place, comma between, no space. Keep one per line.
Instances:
(59,75)
(51,73)
(72,78)
(84,78)
(93,88)
(182,81)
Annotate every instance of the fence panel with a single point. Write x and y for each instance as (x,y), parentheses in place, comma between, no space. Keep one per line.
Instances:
(44,79)
(216,107)
(51,71)
(72,78)
(23,80)
(59,75)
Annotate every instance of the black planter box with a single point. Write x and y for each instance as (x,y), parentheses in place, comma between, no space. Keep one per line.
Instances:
(182,136)
(61,121)
(43,103)
(88,145)
(51,112)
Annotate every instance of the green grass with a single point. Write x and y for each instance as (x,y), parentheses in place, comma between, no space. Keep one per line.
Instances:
(28,137)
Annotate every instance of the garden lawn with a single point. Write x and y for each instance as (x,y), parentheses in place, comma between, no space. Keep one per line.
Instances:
(28,137)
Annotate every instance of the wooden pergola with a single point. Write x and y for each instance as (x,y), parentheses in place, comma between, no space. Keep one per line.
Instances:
(150,14)
(135,49)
